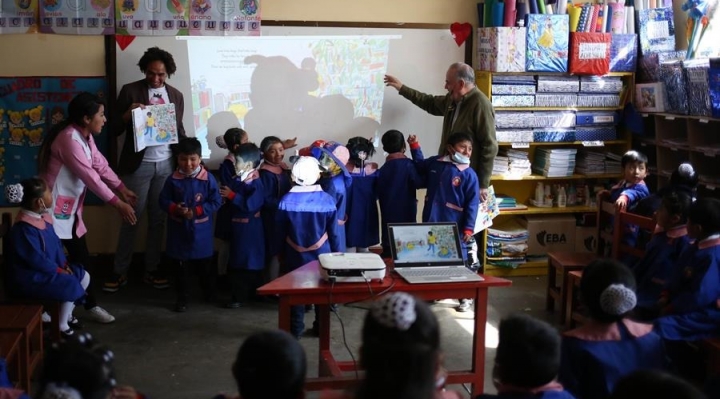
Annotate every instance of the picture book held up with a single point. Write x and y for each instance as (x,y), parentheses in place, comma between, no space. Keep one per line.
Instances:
(154,125)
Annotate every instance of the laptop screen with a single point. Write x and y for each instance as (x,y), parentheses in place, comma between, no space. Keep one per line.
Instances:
(425,244)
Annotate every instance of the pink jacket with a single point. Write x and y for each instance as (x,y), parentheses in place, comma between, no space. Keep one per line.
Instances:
(76,164)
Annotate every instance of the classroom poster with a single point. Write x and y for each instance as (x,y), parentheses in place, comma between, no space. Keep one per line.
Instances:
(225,18)
(77,17)
(18,16)
(29,107)
(152,18)
(154,125)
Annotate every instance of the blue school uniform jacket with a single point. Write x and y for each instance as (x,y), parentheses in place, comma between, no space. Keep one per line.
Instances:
(306,221)
(247,243)
(362,228)
(339,188)
(222,220)
(397,183)
(36,254)
(654,269)
(596,356)
(694,294)
(276,183)
(634,193)
(190,238)
(554,394)
(453,192)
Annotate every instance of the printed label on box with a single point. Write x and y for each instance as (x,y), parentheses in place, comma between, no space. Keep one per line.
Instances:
(603,119)
(657,29)
(697,75)
(592,51)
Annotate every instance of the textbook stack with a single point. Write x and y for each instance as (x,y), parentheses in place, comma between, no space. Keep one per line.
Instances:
(590,163)
(555,162)
(519,163)
(507,244)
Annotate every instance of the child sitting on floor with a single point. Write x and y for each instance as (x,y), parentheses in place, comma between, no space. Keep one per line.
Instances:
(527,361)
(38,268)
(609,345)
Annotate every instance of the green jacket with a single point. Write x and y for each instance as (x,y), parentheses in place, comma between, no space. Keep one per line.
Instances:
(476,118)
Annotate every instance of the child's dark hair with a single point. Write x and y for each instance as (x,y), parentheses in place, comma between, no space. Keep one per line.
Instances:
(233,138)
(633,156)
(528,353)
(189,146)
(80,364)
(458,138)
(268,142)
(393,141)
(607,288)
(677,202)
(270,364)
(705,212)
(399,354)
(685,175)
(157,54)
(654,384)
(356,145)
(81,106)
(32,189)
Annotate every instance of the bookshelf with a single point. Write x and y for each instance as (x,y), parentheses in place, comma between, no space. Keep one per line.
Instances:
(523,188)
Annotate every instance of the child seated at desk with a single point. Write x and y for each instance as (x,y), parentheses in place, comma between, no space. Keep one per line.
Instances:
(527,360)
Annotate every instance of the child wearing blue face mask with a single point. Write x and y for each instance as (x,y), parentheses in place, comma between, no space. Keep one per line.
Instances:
(38,268)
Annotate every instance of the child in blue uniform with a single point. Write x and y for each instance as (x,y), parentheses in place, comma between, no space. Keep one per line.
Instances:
(397,182)
(231,140)
(609,346)
(247,250)
(453,191)
(306,220)
(362,229)
(527,360)
(37,265)
(684,179)
(191,198)
(631,189)
(693,296)
(661,253)
(656,385)
(275,177)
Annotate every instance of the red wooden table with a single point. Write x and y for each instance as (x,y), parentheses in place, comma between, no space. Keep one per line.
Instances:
(305,286)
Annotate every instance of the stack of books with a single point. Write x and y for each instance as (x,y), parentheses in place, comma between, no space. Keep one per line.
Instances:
(554,162)
(591,163)
(505,201)
(519,163)
(612,163)
(500,165)
(507,244)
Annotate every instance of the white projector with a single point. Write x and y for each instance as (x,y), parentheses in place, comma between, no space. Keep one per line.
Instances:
(351,267)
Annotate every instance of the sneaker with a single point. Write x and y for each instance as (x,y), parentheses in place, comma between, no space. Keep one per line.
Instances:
(465,306)
(100,315)
(46,317)
(67,333)
(74,323)
(114,283)
(156,280)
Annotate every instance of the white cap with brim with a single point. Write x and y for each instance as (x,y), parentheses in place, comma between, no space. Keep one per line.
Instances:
(306,171)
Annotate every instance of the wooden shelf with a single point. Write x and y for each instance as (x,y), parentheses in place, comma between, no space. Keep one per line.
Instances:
(571,177)
(702,119)
(569,109)
(536,210)
(534,143)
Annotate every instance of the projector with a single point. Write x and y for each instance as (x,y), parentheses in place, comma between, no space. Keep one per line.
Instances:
(351,267)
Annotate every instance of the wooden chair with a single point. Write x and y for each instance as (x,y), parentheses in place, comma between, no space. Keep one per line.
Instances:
(51,307)
(25,320)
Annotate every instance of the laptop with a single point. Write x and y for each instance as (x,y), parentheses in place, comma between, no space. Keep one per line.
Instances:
(429,253)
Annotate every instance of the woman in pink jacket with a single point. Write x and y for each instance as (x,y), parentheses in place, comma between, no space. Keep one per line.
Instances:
(70,163)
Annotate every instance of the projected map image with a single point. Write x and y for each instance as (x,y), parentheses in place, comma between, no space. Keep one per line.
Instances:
(321,87)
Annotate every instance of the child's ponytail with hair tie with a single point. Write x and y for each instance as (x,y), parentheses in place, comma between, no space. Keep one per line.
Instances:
(14,193)
(617,300)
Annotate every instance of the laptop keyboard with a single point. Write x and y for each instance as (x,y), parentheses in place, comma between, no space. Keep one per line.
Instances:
(432,272)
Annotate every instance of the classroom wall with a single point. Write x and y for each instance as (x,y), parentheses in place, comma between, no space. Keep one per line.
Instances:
(56,55)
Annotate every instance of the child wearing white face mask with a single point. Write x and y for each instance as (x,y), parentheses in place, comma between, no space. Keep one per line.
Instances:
(38,268)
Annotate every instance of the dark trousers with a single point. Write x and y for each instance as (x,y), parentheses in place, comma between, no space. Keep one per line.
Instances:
(203,268)
(243,283)
(78,253)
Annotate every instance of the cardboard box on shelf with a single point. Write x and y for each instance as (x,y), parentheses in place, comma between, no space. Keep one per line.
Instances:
(550,233)
(586,239)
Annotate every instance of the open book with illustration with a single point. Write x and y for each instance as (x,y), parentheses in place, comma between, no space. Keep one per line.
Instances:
(487,211)
(154,125)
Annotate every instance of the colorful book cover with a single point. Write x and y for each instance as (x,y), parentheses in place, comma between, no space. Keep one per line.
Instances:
(502,49)
(696,79)
(649,64)
(657,30)
(714,85)
(154,125)
(75,17)
(547,43)
(590,53)
(19,16)
(650,97)
(623,53)
(487,211)
(671,73)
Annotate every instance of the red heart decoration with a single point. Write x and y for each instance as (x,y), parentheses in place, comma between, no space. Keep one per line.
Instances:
(124,41)
(460,32)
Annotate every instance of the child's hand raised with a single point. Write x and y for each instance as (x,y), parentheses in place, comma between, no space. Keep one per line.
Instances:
(412,139)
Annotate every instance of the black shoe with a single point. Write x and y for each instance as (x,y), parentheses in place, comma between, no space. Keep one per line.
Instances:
(67,333)
(180,307)
(74,323)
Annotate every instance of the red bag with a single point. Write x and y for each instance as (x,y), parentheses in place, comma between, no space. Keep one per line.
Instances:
(590,53)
